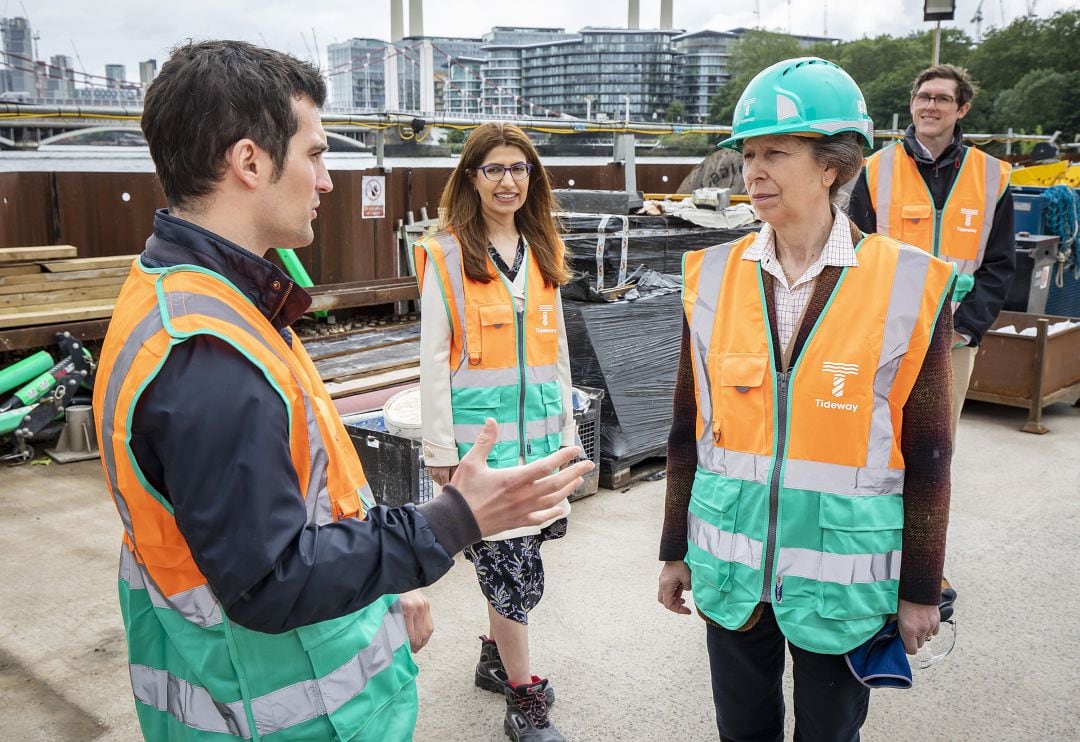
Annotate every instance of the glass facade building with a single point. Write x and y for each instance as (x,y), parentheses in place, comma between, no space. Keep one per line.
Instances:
(702,70)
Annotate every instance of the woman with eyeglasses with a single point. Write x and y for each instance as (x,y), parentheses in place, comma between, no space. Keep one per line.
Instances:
(493,344)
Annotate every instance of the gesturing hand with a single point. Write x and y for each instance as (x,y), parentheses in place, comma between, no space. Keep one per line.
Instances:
(518,496)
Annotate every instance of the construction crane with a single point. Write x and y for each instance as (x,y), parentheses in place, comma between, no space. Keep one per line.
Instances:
(977,19)
(1031,8)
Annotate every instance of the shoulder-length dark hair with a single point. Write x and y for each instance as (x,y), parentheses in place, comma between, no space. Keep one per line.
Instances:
(460,211)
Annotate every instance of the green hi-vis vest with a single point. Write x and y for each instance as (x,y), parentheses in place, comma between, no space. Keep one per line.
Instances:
(196,675)
(798,496)
(503,363)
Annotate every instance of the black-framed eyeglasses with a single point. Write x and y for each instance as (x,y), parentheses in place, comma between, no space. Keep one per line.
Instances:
(518,171)
(924,99)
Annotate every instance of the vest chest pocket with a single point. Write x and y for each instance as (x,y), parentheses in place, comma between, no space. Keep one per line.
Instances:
(739,400)
(497,341)
(916,224)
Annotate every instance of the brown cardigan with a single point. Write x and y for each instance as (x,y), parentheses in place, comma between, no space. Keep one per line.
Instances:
(925,443)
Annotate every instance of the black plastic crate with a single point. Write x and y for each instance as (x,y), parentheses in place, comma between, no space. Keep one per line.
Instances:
(394,465)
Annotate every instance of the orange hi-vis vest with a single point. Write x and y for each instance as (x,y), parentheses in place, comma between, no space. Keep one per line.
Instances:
(798,495)
(503,363)
(193,671)
(905,207)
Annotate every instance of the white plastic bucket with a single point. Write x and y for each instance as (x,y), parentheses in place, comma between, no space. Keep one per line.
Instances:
(402,414)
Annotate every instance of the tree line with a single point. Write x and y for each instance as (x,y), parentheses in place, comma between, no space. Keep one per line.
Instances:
(1027,72)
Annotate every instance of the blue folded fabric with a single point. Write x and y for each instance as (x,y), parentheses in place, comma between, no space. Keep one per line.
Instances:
(881,662)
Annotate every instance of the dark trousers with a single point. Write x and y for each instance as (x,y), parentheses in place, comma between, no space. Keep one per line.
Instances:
(747,673)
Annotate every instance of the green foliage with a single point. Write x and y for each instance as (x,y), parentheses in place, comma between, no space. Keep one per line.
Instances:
(1041,99)
(1027,72)
(676,112)
(690,143)
(750,55)
(456,136)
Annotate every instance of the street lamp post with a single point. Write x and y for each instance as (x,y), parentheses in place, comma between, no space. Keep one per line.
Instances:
(938,10)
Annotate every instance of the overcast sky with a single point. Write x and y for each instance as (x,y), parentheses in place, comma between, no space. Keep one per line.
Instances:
(127,31)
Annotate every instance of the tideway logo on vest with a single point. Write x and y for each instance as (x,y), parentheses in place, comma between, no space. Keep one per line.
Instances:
(545,318)
(840,372)
(969,214)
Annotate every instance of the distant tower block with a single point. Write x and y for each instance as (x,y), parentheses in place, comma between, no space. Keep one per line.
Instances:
(416,18)
(666,15)
(633,18)
(397,23)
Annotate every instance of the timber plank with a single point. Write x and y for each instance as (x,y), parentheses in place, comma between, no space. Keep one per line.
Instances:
(368,360)
(59,296)
(82,264)
(56,315)
(72,304)
(78,283)
(44,252)
(371,383)
(366,338)
(60,277)
(19,269)
(23,338)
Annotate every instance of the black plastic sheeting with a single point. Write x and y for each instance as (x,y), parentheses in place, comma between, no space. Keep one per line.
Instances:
(630,349)
(608,247)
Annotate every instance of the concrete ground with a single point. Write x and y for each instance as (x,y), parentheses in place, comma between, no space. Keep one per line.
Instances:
(623,668)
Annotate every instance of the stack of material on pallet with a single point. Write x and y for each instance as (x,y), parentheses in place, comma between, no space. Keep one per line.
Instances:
(43,289)
(368,359)
(629,347)
(608,247)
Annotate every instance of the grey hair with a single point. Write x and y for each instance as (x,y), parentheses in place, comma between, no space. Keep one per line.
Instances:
(844,153)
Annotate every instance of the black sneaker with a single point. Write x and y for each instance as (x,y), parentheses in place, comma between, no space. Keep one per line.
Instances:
(527,714)
(491,675)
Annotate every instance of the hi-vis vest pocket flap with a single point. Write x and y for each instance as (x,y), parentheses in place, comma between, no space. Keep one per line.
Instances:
(916,211)
(873,513)
(743,370)
(496,315)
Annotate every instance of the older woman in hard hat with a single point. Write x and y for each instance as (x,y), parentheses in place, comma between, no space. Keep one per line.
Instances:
(810,444)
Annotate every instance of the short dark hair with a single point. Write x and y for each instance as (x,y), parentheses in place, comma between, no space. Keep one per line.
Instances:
(212,94)
(966,88)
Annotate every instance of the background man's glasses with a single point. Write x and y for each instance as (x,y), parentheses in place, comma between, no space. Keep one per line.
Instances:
(518,171)
(942,100)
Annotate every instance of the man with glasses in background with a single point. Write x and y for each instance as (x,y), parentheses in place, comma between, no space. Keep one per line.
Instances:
(932,191)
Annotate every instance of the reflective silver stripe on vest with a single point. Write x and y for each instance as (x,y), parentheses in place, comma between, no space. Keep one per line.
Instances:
(726,546)
(466,377)
(843,569)
(198,605)
(750,467)
(905,301)
(180,304)
(145,329)
(842,480)
(189,704)
(886,161)
(509,431)
(284,708)
(710,278)
(993,184)
(452,261)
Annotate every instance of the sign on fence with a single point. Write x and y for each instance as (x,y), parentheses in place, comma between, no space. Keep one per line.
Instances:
(373,198)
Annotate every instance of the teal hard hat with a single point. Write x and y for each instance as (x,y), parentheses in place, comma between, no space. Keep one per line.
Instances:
(801,95)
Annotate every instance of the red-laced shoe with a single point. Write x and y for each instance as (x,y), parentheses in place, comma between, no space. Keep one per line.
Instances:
(491,675)
(527,713)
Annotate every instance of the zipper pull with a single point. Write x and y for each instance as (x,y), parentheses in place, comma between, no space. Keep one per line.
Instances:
(779,588)
(528,447)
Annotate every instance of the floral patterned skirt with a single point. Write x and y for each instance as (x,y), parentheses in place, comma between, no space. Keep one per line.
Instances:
(511,573)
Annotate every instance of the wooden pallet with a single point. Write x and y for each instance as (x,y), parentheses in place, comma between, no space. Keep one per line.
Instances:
(615,475)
